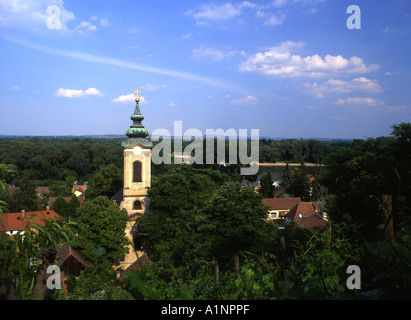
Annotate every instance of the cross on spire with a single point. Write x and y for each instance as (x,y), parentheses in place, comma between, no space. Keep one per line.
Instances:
(137,92)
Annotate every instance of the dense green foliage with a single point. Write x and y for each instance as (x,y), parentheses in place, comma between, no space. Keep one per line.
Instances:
(299,150)
(202,218)
(58,159)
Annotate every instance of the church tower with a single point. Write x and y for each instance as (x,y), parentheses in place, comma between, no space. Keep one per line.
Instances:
(137,174)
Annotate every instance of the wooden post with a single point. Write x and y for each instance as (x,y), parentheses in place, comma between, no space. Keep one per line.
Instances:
(295,258)
(387,205)
(217,271)
(282,241)
(237,266)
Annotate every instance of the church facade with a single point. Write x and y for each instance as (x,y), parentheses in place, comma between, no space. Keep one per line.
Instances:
(137,176)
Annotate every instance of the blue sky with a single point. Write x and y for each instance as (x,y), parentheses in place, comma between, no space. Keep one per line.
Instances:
(290,68)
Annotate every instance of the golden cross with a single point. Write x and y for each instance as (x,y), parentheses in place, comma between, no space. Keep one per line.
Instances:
(137,92)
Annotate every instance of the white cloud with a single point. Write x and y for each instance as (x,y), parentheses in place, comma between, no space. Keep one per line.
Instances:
(74,93)
(271,19)
(129,98)
(100,21)
(31,15)
(245,101)
(14,88)
(152,87)
(125,98)
(376,104)
(171,104)
(85,27)
(275,20)
(217,12)
(212,53)
(360,84)
(39,15)
(92,92)
(361,101)
(279,61)
(398,108)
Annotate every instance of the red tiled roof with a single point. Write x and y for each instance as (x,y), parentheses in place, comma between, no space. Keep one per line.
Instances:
(39,190)
(315,221)
(43,190)
(306,215)
(81,188)
(52,199)
(281,203)
(18,221)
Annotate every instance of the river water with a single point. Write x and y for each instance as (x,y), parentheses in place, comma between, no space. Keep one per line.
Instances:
(278,170)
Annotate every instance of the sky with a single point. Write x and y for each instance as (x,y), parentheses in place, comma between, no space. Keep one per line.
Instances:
(289,68)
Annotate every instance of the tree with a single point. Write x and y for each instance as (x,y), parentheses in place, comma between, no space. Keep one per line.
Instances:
(286,177)
(175,198)
(4,171)
(360,176)
(25,198)
(18,252)
(300,185)
(101,228)
(105,182)
(233,220)
(266,186)
(183,188)
(66,209)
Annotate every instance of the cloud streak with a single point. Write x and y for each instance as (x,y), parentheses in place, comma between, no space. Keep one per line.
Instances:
(120,63)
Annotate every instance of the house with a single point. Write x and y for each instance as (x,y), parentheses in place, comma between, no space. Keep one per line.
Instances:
(53,199)
(13,223)
(80,191)
(183,155)
(306,215)
(41,192)
(279,207)
(70,261)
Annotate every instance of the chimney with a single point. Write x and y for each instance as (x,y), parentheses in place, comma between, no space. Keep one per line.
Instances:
(48,209)
(22,213)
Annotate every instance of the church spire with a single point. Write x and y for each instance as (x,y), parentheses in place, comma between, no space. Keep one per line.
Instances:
(137,130)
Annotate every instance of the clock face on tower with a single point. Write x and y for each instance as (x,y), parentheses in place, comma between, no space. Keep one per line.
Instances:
(137,151)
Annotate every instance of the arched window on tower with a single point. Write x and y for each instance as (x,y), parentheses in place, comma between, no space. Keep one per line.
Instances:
(137,205)
(137,172)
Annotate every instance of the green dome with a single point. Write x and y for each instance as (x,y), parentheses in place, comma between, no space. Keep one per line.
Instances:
(137,130)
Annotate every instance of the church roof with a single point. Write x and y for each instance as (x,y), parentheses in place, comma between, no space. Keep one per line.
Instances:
(137,133)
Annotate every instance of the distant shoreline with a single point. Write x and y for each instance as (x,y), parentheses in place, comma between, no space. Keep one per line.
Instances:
(283,164)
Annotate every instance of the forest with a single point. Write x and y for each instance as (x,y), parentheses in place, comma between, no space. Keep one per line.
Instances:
(48,160)
(206,235)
